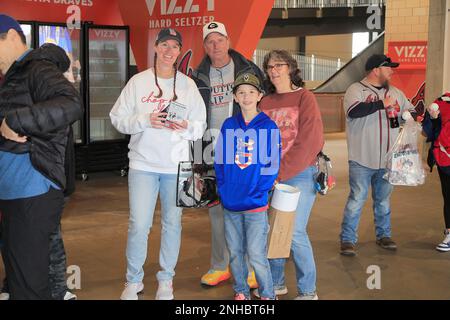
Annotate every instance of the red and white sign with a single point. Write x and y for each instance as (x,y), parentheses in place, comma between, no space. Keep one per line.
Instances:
(411,74)
(244,20)
(411,54)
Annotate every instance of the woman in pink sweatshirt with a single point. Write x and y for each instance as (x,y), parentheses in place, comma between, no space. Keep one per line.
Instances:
(296,112)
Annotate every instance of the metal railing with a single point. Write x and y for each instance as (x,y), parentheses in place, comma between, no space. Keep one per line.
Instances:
(313,68)
(292,4)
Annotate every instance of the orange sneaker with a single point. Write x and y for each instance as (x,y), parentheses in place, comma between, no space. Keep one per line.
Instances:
(214,277)
(251,280)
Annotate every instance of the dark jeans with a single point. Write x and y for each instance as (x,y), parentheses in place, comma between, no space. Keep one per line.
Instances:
(57,270)
(445,186)
(28,225)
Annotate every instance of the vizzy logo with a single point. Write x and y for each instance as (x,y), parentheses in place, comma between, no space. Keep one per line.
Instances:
(169,7)
(411,51)
(107,33)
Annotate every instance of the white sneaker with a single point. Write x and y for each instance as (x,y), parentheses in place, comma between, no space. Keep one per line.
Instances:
(444,246)
(70,296)
(131,291)
(307,297)
(4,296)
(165,290)
(278,292)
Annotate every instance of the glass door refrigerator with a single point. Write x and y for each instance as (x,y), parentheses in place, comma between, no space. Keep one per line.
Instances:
(99,70)
(107,72)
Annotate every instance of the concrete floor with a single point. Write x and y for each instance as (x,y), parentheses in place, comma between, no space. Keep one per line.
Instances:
(96,220)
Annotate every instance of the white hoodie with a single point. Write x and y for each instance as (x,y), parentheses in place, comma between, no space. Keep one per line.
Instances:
(157,150)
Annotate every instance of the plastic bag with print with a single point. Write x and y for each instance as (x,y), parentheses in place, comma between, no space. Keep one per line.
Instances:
(404,163)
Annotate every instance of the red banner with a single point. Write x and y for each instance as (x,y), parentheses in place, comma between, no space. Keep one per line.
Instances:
(411,74)
(244,20)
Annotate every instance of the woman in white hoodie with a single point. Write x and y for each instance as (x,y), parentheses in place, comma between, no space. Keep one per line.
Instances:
(156,148)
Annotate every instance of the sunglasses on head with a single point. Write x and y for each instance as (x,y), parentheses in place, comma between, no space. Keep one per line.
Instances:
(385,62)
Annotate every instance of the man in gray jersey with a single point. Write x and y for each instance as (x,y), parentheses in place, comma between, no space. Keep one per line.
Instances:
(215,77)
(372,108)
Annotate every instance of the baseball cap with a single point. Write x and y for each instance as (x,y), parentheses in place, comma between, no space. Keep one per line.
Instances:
(380,60)
(168,34)
(6,23)
(214,27)
(247,78)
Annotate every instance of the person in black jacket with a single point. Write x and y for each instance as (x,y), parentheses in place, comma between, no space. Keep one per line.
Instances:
(37,106)
(214,78)
(58,260)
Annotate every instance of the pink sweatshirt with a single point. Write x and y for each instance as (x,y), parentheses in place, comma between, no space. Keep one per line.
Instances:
(298,116)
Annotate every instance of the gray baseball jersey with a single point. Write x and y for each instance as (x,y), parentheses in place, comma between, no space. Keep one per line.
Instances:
(370,138)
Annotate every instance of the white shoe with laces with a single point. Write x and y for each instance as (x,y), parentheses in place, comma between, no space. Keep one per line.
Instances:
(444,246)
(165,290)
(131,291)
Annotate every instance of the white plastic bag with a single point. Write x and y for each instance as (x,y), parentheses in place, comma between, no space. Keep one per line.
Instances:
(404,165)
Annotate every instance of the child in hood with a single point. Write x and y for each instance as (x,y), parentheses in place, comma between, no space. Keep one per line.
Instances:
(247,161)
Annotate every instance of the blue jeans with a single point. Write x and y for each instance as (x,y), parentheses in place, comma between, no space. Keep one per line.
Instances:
(301,249)
(143,192)
(246,233)
(361,178)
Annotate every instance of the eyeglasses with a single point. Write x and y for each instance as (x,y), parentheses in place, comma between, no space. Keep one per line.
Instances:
(276,66)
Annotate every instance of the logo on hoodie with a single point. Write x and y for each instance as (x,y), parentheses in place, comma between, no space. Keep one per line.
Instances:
(244,153)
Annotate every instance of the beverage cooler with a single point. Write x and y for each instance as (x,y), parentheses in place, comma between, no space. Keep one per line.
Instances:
(107,55)
(99,70)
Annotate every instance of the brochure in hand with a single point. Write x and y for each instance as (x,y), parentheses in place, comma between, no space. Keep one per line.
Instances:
(176,112)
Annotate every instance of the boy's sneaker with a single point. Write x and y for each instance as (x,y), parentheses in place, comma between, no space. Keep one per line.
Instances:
(214,277)
(4,296)
(70,296)
(131,291)
(240,296)
(348,249)
(165,290)
(312,296)
(281,291)
(387,243)
(444,246)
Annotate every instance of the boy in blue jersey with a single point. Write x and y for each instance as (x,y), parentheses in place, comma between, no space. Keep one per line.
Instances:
(247,162)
